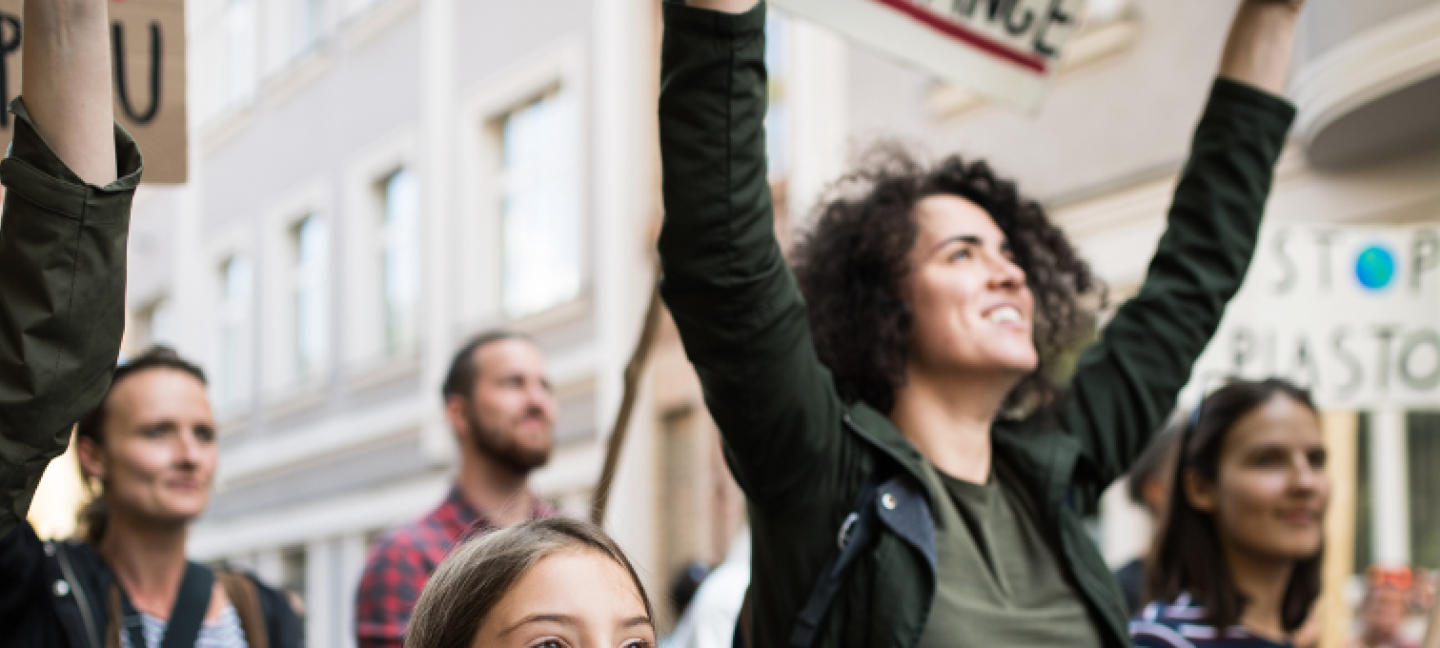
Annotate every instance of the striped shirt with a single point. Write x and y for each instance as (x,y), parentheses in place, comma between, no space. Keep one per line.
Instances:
(224,632)
(1181,624)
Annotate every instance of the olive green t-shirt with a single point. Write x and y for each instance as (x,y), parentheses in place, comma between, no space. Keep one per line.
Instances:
(1000,582)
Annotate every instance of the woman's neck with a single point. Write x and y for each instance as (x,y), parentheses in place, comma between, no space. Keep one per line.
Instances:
(1263,583)
(949,420)
(148,559)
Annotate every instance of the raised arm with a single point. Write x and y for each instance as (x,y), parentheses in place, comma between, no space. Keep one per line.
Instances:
(1258,49)
(67,83)
(62,243)
(734,300)
(1126,384)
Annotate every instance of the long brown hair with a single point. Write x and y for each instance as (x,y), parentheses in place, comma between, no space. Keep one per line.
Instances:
(1188,556)
(473,579)
(94,517)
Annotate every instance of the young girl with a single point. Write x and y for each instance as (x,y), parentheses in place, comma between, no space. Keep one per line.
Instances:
(1238,561)
(552,583)
(886,403)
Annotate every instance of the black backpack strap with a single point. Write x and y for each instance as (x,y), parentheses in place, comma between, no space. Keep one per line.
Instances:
(187,617)
(94,628)
(857,533)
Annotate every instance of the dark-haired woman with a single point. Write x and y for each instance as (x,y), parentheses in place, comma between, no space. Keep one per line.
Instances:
(891,405)
(551,583)
(148,455)
(1238,558)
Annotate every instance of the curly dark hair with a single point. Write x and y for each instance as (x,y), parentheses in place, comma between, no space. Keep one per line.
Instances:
(852,264)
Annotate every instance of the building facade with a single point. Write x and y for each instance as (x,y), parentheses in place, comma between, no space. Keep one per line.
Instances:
(373,182)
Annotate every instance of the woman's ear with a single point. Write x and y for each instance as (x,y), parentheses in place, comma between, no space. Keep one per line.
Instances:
(91,456)
(1199,492)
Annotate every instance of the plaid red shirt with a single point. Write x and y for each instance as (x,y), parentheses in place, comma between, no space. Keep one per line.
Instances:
(403,559)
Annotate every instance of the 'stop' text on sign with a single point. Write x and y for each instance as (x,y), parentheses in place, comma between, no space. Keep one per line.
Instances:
(1353,313)
(148,45)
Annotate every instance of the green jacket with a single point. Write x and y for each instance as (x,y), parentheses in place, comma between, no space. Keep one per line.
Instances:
(802,455)
(62,303)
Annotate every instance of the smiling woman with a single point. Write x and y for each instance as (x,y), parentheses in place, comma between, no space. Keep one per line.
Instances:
(890,396)
(1239,550)
(148,456)
(854,265)
(552,583)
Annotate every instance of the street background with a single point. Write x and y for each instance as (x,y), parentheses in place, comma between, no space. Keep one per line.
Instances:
(370,182)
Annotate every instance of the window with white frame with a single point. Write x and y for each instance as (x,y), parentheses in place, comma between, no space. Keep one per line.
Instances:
(354,7)
(162,323)
(1417,529)
(777,118)
(1422,446)
(154,324)
(241,52)
(232,384)
(539,204)
(305,25)
(400,259)
(310,245)
(227,47)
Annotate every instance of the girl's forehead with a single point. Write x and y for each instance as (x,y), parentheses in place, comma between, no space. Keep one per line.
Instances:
(1278,420)
(583,582)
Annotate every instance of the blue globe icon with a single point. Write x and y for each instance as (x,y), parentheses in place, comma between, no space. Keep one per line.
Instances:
(1375,267)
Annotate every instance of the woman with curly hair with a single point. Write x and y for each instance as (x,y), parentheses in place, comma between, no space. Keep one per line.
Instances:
(915,475)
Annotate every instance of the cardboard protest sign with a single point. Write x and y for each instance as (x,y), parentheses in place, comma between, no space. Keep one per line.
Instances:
(148,45)
(1350,312)
(1004,49)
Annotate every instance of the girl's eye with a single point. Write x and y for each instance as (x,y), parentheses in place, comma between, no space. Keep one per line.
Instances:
(638,643)
(549,643)
(962,253)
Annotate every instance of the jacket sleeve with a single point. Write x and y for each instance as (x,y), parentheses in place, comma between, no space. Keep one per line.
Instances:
(735,302)
(1126,385)
(62,303)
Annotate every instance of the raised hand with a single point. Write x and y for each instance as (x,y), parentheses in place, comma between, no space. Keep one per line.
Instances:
(1261,40)
(67,83)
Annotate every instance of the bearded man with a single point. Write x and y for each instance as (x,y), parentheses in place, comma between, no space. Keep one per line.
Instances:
(502,411)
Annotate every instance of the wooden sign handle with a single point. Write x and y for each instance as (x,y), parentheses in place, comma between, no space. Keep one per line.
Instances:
(634,370)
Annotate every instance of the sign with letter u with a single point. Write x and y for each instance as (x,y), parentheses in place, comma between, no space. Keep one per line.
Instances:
(147,39)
